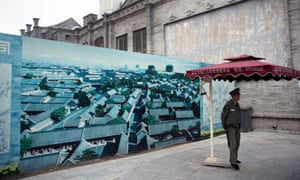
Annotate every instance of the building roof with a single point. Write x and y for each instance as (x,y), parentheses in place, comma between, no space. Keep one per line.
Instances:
(101,101)
(32,99)
(136,93)
(184,114)
(175,104)
(93,132)
(100,121)
(125,116)
(156,104)
(30,81)
(113,112)
(69,24)
(78,153)
(72,122)
(132,101)
(63,136)
(162,127)
(111,92)
(62,86)
(46,138)
(78,118)
(41,117)
(128,3)
(159,112)
(41,99)
(39,107)
(118,99)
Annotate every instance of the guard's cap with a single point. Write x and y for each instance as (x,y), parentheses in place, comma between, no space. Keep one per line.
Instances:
(235,91)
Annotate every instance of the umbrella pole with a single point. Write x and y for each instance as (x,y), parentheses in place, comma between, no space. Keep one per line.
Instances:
(211,120)
(212,161)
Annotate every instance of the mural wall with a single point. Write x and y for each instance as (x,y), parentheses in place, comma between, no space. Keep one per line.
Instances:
(10,72)
(79,102)
(5,98)
(221,95)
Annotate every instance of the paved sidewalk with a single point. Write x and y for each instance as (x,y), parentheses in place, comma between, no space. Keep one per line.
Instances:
(264,155)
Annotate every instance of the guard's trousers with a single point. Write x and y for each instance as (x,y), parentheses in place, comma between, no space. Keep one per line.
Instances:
(233,140)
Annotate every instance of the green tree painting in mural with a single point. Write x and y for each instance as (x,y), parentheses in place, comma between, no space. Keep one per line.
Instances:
(83,99)
(28,76)
(25,145)
(99,110)
(58,114)
(88,154)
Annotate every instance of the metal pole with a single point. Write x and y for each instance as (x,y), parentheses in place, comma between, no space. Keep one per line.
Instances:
(211,120)
(212,161)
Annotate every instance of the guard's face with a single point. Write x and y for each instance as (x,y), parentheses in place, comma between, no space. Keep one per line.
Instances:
(236,97)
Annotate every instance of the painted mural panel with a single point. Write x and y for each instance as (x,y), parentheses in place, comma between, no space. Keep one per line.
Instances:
(81,102)
(221,95)
(5,99)
(10,68)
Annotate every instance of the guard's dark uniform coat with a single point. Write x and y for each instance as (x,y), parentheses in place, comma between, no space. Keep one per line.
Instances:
(231,120)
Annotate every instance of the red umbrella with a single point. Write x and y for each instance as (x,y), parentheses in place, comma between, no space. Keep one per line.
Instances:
(244,67)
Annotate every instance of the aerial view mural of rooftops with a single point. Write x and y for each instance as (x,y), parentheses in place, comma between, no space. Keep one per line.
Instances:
(81,102)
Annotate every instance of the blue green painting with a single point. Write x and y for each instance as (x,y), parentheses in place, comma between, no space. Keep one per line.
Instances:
(79,103)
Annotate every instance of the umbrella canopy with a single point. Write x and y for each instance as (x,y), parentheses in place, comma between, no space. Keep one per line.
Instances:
(244,67)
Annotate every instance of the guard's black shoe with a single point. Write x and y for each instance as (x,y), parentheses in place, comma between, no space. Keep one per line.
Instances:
(239,162)
(235,166)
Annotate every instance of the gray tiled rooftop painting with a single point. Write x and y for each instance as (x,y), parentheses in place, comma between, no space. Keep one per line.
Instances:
(62,66)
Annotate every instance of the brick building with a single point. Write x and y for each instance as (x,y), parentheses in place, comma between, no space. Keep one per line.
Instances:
(206,31)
